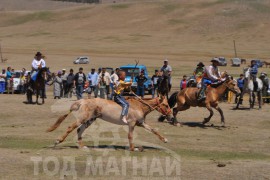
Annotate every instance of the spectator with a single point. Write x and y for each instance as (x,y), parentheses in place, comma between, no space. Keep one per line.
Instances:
(93,82)
(64,82)
(265,82)
(3,81)
(240,84)
(155,79)
(140,79)
(114,79)
(22,81)
(57,85)
(70,79)
(166,69)
(79,81)
(104,81)
(183,83)
(9,81)
(97,87)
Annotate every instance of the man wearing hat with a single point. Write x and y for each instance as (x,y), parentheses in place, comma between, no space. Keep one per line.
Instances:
(93,81)
(64,91)
(104,80)
(140,79)
(166,69)
(37,64)
(211,75)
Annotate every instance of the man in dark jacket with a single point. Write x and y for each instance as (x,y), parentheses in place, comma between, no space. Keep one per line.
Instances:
(79,81)
(70,79)
(140,79)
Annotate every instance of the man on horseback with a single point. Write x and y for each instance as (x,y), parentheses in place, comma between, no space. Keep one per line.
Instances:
(253,74)
(211,75)
(199,72)
(118,98)
(37,64)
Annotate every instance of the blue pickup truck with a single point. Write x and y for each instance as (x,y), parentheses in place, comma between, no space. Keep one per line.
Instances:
(129,69)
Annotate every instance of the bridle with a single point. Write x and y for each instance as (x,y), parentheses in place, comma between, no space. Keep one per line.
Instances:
(157,107)
(230,89)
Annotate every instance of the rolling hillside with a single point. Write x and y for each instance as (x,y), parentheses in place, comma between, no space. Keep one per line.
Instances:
(184,30)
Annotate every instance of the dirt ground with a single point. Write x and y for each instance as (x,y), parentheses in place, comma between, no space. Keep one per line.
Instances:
(182,31)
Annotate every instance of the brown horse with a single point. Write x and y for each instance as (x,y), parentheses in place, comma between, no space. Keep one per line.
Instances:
(266,64)
(90,109)
(188,97)
(39,85)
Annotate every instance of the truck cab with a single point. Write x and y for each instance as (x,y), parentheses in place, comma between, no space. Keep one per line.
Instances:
(132,71)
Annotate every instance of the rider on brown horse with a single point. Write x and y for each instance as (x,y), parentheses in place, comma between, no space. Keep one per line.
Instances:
(211,75)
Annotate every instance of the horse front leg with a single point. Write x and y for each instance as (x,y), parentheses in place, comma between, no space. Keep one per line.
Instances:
(259,94)
(37,95)
(253,100)
(81,129)
(221,114)
(43,95)
(206,120)
(152,130)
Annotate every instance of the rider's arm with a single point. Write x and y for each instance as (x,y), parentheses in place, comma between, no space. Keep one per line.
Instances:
(209,72)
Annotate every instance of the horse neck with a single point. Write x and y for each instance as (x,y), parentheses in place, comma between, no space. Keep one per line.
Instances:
(146,109)
(221,89)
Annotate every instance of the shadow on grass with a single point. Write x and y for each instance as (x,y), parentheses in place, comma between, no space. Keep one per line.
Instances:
(203,126)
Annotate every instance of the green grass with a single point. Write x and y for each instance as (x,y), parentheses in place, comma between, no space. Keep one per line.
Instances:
(23,143)
(219,155)
(120,6)
(38,16)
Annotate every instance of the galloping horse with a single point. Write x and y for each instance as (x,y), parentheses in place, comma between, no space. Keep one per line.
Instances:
(38,86)
(249,87)
(107,110)
(188,97)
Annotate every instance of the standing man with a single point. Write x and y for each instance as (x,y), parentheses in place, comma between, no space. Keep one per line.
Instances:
(93,82)
(253,73)
(183,83)
(104,80)
(79,81)
(265,82)
(9,80)
(3,81)
(211,75)
(167,71)
(70,84)
(140,79)
(154,79)
(97,87)
(240,84)
(114,79)
(64,76)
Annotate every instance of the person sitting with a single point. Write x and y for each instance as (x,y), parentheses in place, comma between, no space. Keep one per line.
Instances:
(211,75)
(199,72)
(253,73)
(37,64)
(118,98)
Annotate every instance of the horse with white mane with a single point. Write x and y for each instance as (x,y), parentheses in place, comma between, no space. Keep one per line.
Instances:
(249,88)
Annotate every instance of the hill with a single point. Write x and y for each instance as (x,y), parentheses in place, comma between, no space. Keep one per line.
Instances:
(181,30)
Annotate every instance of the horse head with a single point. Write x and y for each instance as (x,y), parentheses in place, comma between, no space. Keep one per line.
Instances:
(232,85)
(246,72)
(163,105)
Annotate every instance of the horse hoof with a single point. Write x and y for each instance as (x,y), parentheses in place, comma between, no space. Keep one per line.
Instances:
(56,143)
(165,140)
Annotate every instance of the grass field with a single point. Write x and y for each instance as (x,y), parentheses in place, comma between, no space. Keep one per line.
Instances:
(114,34)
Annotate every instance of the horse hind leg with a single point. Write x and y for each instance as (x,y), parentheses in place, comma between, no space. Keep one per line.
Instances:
(81,129)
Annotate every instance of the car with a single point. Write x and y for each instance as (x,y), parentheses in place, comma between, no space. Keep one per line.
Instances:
(236,62)
(222,61)
(132,71)
(258,62)
(81,60)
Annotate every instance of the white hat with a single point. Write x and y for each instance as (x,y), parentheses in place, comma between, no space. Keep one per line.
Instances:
(166,60)
(63,69)
(215,59)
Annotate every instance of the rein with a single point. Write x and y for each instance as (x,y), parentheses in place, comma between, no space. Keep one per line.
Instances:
(157,107)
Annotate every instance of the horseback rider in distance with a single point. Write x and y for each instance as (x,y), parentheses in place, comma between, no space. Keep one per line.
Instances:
(211,75)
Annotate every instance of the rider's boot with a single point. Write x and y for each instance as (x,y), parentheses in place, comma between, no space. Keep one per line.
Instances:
(202,96)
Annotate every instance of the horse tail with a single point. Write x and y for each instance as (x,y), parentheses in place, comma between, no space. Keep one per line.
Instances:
(74,107)
(172,99)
